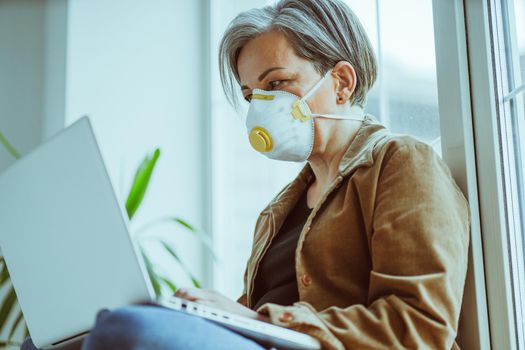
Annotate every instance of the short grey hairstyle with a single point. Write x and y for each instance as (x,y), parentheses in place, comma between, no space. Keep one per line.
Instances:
(321,31)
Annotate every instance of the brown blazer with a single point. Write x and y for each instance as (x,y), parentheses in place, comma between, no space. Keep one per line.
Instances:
(381,261)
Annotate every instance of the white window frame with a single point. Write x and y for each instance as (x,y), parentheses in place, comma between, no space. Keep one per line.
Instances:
(471,147)
(509,92)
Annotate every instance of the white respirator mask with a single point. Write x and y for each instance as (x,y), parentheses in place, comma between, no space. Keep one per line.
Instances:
(280,124)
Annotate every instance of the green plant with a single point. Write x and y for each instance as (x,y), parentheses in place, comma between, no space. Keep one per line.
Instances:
(136,194)
(9,300)
(133,202)
(9,147)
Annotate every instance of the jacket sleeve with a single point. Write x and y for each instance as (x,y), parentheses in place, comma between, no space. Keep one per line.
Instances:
(419,251)
(243,299)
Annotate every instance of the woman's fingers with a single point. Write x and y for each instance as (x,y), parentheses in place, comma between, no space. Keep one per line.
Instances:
(192,294)
(215,299)
(183,293)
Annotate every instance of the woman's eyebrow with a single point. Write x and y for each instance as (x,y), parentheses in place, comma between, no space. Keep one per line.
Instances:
(261,77)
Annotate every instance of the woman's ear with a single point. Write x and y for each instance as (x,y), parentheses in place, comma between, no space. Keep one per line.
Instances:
(346,79)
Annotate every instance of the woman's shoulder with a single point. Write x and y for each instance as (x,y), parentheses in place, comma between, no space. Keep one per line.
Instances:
(401,144)
(414,160)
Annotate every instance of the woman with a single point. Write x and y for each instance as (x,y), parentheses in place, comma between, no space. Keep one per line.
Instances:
(367,247)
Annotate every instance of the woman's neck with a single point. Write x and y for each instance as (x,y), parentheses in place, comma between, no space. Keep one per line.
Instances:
(332,139)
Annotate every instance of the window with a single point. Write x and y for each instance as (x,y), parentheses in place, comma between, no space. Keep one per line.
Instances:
(404,98)
(509,43)
(405,95)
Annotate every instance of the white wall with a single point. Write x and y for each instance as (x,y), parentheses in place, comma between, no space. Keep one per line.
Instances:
(136,68)
(21,74)
(54,82)
(32,68)
(32,49)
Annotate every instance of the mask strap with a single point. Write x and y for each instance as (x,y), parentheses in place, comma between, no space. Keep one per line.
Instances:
(336,116)
(356,113)
(316,86)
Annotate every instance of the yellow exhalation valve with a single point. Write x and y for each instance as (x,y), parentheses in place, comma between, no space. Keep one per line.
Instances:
(260,139)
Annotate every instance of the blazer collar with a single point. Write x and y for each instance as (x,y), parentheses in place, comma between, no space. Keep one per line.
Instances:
(358,153)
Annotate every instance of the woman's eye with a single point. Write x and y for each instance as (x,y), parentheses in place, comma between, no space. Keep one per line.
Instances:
(275,83)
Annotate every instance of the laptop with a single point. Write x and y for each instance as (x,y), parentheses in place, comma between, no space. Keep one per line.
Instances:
(65,240)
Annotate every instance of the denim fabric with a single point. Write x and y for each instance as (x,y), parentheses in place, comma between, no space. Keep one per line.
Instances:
(145,327)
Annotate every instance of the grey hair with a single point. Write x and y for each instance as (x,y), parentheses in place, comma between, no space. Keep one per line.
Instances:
(321,31)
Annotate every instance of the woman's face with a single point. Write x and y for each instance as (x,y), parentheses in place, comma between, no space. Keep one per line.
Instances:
(268,62)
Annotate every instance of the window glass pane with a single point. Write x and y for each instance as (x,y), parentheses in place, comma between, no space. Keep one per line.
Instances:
(405,94)
(409,68)
(366,11)
(510,59)
(519,13)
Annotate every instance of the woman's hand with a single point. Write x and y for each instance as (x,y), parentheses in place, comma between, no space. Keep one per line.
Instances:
(217,300)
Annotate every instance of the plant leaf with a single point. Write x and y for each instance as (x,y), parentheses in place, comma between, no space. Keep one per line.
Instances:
(26,331)
(5,142)
(203,237)
(4,274)
(18,319)
(140,183)
(184,223)
(7,306)
(151,272)
(196,283)
(176,257)
(169,283)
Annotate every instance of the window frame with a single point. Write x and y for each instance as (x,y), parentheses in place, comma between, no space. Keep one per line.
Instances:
(511,119)
(472,147)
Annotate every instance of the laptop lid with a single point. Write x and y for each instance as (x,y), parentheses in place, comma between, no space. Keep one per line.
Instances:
(65,239)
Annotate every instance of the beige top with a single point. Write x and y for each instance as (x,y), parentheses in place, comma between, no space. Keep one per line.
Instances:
(381,261)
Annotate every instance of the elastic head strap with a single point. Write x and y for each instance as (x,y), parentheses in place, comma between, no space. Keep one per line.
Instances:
(355,113)
(337,116)
(316,86)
